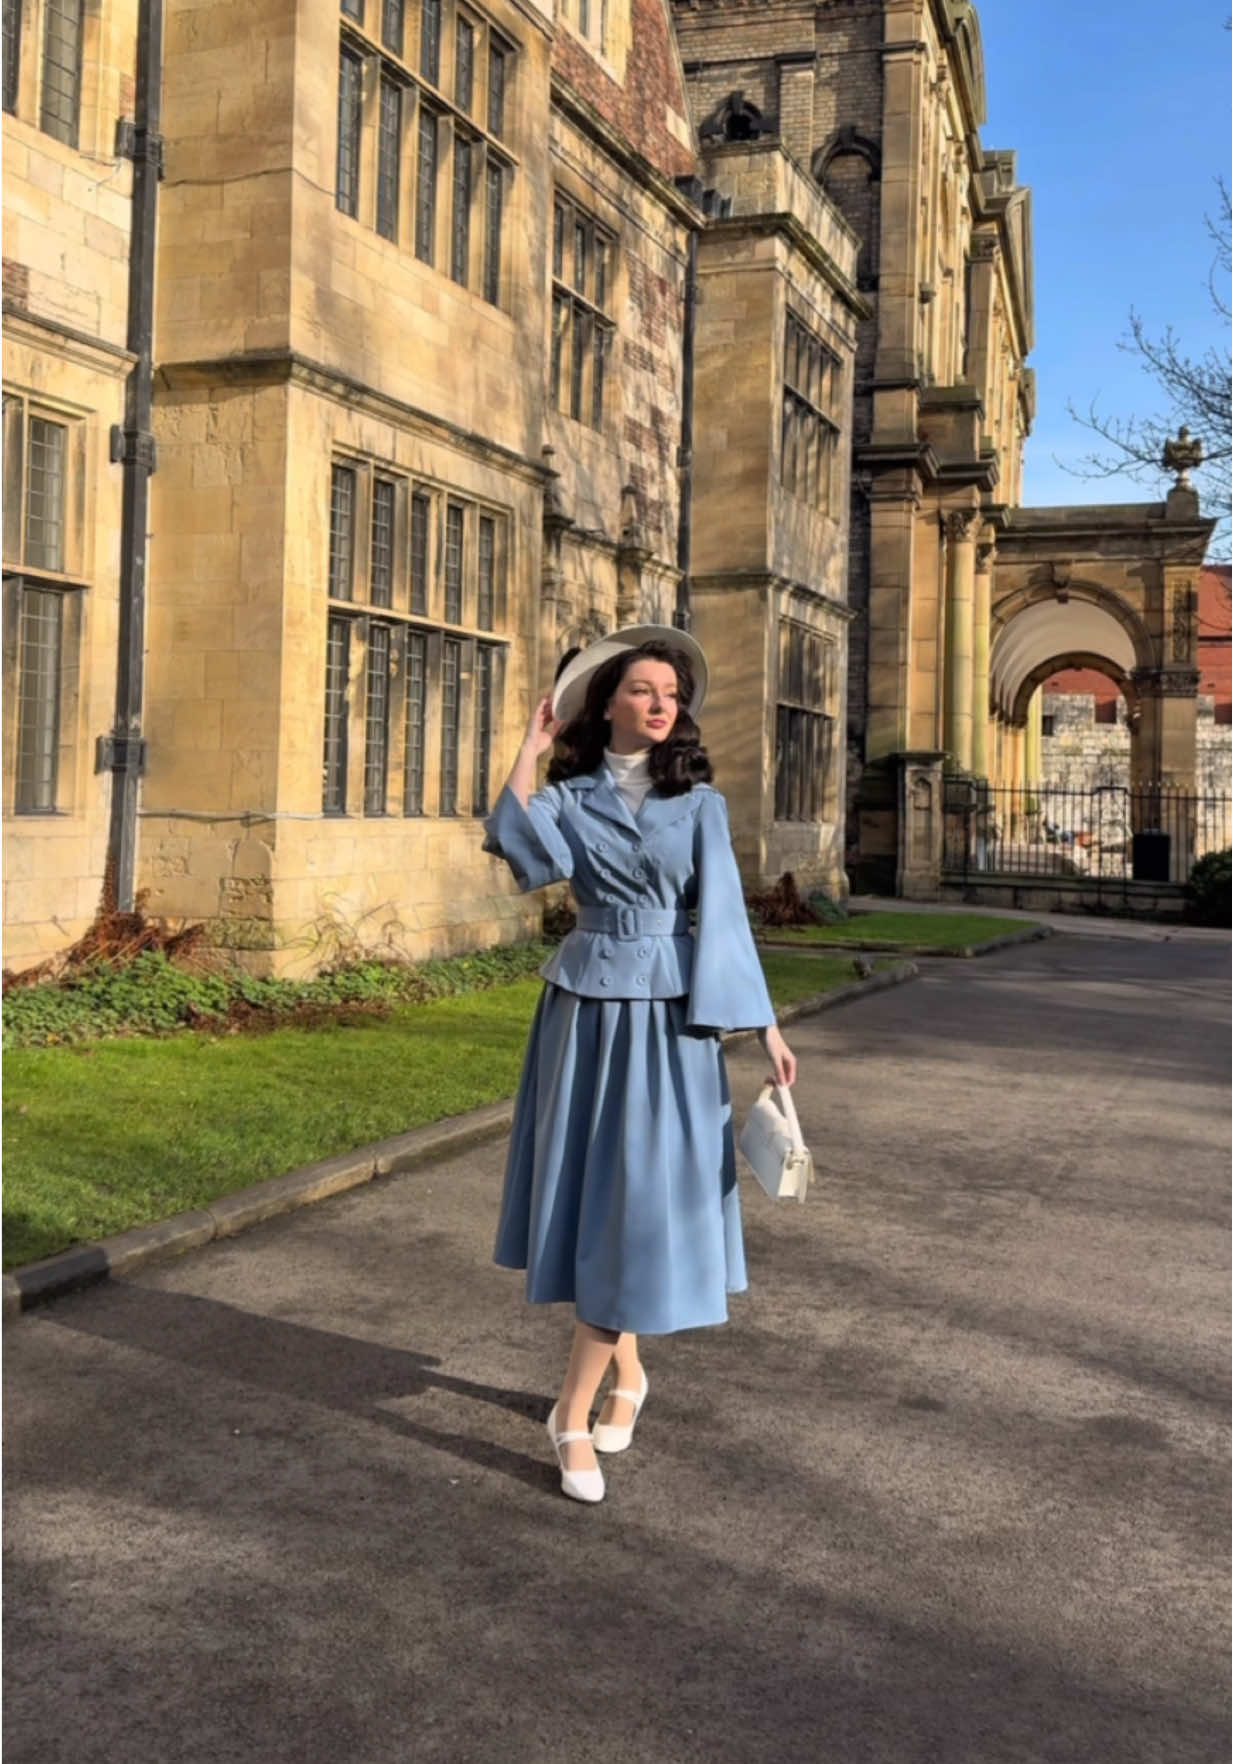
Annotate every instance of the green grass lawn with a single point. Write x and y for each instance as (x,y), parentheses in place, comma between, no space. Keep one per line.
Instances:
(123,1132)
(919,930)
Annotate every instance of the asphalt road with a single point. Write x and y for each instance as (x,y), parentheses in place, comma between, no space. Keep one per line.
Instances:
(950,1489)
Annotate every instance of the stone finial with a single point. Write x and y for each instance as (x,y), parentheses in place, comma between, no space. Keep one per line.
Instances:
(1183,456)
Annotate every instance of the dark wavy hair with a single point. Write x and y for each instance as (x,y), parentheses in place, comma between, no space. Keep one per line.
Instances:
(677,763)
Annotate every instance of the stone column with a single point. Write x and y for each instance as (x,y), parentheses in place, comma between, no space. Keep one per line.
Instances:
(892,514)
(1033,735)
(981,602)
(960,590)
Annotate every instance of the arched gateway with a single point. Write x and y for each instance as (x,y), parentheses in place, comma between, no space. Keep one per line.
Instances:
(1111,587)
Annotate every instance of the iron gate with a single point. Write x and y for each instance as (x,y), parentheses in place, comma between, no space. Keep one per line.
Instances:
(1109,833)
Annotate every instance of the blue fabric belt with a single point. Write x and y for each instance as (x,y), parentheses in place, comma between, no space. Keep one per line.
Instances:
(628,921)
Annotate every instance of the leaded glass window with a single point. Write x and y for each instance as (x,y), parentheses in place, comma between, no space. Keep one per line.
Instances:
(460,246)
(464,63)
(426,188)
(421,511)
(485,660)
(451,679)
(342,532)
(486,574)
(494,202)
(350,100)
(377,720)
(392,23)
(337,711)
(454,533)
(38,700)
(497,70)
(60,104)
(45,494)
(389,157)
(12,52)
(430,40)
(381,569)
(417,685)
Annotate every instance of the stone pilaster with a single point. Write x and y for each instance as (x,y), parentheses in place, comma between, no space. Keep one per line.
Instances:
(1163,751)
(960,593)
(982,599)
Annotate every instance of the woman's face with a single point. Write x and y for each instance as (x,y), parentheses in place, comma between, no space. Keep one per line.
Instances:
(643,709)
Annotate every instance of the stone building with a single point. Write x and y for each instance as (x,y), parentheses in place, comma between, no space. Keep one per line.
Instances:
(962,601)
(420,369)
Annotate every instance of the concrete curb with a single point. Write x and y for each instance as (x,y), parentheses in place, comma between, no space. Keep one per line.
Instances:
(1032,934)
(89,1263)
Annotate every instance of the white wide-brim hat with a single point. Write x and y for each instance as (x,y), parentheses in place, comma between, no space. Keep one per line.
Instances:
(570,692)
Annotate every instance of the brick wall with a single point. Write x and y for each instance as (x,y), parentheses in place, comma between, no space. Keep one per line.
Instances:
(640,91)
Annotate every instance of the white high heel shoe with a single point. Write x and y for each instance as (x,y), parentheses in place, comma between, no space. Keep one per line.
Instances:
(579,1485)
(606,1436)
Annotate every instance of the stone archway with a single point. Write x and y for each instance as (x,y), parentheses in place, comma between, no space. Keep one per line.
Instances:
(1115,583)
(1036,633)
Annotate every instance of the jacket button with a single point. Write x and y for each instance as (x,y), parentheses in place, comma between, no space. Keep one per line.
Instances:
(642,980)
(644,950)
(605,955)
(639,875)
(601,845)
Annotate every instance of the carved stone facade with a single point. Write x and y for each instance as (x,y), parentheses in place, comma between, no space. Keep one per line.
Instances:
(882,101)
(422,297)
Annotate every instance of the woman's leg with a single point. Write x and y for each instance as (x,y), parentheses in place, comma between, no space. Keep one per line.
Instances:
(627,1375)
(588,1361)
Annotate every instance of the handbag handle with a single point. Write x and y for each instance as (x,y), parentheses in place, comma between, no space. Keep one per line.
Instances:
(787,1108)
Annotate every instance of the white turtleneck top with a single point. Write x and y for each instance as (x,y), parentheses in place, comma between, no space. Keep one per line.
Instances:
(631,775)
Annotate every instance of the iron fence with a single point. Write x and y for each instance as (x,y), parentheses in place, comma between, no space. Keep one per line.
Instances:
(1151,833)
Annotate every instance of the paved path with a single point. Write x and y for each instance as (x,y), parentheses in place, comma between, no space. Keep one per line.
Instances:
(950,1489)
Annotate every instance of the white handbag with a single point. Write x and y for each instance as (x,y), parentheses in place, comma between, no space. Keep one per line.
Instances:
(771,1142)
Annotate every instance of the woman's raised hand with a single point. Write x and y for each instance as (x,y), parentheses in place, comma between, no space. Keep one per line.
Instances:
(543,728)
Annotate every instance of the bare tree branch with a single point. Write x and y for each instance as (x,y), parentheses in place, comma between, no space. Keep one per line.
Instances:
(1194,390)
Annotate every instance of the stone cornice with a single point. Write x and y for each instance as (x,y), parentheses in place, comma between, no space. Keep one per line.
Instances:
(787,226)
(770,579)
(272,367)
(79,346)
(584,116)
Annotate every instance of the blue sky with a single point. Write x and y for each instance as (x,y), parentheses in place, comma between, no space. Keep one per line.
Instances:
(1119,114)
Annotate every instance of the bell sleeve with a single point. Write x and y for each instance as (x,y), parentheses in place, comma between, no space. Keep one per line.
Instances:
(728,989)
(530,838)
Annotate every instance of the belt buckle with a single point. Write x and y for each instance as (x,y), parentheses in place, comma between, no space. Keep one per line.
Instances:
(627,923)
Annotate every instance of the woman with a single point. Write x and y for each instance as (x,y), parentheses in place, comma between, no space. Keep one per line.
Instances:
(620,1189)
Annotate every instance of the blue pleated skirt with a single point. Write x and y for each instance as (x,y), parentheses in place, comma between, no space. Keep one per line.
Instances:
(620,1190)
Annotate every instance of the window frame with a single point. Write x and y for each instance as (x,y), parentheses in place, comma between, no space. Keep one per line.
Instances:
(809,433)
(398,545)
(804,723)
(448,139)
(74,10)
(582,330)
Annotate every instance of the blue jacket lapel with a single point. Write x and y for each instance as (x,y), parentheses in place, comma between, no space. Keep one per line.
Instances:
(658,812)
(603,798)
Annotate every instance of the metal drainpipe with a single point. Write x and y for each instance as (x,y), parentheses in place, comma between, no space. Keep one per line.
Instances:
(685,455)
(132,444)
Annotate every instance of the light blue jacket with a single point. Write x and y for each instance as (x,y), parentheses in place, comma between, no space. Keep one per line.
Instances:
(660,908)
